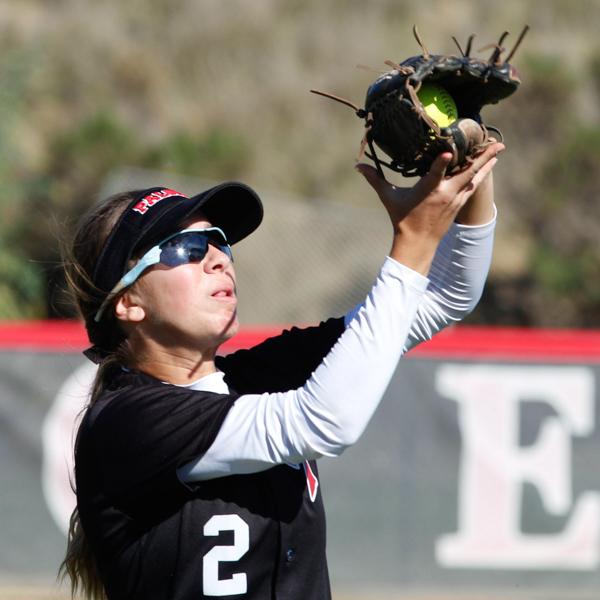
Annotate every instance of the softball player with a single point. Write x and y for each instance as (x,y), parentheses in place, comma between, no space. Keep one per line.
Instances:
(196,474)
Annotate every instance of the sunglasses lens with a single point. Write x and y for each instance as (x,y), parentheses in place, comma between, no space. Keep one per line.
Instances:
(190,247)
(226,250)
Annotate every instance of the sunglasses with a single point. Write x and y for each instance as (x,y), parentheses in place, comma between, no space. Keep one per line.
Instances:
(187,246)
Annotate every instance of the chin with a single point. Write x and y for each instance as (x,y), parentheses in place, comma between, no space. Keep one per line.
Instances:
(229,329)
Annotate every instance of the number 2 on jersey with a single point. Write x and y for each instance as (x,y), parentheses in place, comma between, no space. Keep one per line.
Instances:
(237,583)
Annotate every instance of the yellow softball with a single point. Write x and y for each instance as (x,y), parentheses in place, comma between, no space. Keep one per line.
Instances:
(438,104)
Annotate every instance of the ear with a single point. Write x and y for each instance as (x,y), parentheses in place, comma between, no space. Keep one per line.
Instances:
(128,309)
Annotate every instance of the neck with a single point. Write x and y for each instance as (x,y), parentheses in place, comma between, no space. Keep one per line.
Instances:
(179,366)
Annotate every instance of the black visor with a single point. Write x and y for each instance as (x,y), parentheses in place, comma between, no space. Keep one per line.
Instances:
(151,216)
(157,212)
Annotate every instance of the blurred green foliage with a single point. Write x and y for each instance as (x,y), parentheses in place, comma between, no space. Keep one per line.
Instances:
(218,152)
(566,260)
(79,160)
(21,280)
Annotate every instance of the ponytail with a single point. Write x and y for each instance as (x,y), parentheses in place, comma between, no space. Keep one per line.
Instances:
(79,564)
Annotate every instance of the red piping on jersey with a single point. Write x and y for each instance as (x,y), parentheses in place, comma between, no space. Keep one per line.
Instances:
(458,342)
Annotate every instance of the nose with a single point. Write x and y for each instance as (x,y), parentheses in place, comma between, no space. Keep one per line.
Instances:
(215,260)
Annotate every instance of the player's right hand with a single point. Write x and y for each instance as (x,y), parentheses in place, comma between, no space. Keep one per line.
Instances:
(421,215)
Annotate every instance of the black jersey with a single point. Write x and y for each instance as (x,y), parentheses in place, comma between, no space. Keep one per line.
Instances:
(256,536)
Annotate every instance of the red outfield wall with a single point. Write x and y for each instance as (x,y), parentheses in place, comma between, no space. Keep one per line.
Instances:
(477,343)
(478,473)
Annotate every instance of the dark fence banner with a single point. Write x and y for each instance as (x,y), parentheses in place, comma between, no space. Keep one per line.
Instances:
(477,475)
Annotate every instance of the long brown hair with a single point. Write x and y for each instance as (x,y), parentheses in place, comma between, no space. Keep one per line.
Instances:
(79,259)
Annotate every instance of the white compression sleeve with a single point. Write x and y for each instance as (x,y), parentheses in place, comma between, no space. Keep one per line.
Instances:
(330,412)
(456,280)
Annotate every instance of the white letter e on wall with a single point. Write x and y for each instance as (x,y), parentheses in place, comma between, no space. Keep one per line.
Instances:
(494,466)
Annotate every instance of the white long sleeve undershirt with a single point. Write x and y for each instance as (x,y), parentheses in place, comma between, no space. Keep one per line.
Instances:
(331,411)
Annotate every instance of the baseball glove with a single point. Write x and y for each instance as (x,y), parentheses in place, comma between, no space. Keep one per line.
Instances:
(396,120)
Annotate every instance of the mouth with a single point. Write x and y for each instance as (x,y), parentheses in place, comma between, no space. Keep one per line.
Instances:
(224,294)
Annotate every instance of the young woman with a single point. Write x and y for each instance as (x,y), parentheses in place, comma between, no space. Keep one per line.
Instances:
(196,474)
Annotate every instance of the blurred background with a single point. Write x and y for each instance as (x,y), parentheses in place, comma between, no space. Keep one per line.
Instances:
(97,97)
(213,89)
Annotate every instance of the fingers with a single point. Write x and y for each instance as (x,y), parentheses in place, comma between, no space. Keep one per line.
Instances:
(434,177)
(470,176)
(372,176)
(437,170)
(483,172)
(367,170)
(459,186)
(466,192)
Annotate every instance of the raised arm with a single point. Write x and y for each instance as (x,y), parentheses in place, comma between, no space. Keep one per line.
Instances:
(460,266)
(332,409)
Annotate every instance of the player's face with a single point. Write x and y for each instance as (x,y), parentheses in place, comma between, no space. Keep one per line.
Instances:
(192,305)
